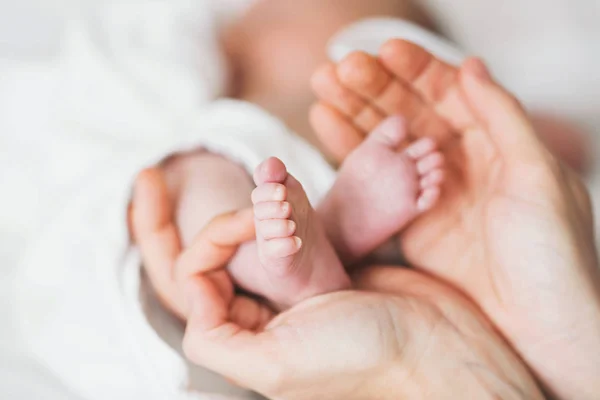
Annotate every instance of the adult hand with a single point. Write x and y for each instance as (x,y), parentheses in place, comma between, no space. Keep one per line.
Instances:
(169,268)
(408,338)
(517,233)
(514,229)
(413,339)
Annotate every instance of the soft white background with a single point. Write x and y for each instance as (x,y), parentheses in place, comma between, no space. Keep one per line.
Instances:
(548,51)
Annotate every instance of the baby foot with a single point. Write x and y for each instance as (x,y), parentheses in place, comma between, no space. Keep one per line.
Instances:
(381,187)
(292,246)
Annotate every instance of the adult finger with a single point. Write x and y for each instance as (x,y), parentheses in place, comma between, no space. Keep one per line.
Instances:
(155,232)
(337,134)
(502,116)
(216,244)
(215,341)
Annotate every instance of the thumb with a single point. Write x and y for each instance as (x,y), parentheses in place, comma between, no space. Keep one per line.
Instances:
(500,113)
(156,234)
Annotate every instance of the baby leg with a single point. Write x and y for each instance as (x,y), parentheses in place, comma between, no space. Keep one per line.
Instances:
(205,185)
(292,245)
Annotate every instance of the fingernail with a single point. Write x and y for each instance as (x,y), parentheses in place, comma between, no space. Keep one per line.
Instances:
(480,71)
(291,227)
(297,242)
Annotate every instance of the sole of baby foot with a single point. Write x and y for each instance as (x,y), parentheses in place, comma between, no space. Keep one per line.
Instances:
(381,187)
(292,246)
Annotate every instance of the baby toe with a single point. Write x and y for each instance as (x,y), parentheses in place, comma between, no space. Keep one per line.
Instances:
(269,192)
(275,228)
(433,178)
(430,162)
(272,210)
(428,199)
(281,247)
(421,148)
(391,132)
(270,170)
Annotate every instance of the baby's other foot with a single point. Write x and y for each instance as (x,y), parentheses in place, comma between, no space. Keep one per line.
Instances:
(381,187)
(292,246)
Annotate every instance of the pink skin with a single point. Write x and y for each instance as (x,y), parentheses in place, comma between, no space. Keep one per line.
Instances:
(292,246)
(382,186)
(206,185)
